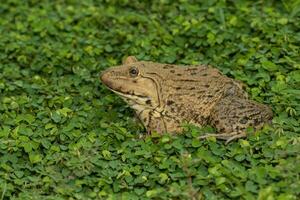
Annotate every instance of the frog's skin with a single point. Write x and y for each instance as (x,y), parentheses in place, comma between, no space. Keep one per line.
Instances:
(164,96)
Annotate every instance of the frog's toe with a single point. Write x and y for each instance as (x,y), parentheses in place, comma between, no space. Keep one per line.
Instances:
(224,136)
(236,136)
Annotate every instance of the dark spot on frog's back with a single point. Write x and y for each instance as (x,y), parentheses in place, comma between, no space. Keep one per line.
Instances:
(179,74)
(170,102)
(194,73)
(241,107)
(216,122)
(244,120)
(257,121)
(191,69)
(168,66)
(172,71)
(182,114)
(148,102)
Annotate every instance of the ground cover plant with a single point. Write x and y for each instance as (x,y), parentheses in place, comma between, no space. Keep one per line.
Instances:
(63,135)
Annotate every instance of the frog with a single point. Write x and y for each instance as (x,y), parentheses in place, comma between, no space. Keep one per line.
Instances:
(165,96)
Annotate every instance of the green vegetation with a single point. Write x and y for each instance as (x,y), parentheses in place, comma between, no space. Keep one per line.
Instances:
(63,135)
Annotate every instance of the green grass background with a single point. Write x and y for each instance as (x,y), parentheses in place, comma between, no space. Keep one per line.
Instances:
(63,135)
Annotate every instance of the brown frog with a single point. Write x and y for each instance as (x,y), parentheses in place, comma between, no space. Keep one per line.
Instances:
(164,96)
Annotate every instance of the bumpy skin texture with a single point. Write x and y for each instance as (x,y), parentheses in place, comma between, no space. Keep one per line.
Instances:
(164,96)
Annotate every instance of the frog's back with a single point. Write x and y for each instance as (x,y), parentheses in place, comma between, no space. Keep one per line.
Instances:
(190,92)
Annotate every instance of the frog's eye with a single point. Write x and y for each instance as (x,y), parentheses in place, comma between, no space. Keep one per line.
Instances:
(133,72)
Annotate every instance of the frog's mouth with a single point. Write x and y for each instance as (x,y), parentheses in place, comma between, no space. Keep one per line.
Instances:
(106,80)
(129,96)
(139,91)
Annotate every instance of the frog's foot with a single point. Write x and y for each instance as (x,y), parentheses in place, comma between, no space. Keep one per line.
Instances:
(236,136)
(225,136)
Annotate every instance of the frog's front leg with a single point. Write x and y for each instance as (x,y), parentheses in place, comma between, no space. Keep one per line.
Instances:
(152,121)
(157,125)
(164,125)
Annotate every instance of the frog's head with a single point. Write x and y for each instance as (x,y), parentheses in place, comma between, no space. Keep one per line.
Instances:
(133,82)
